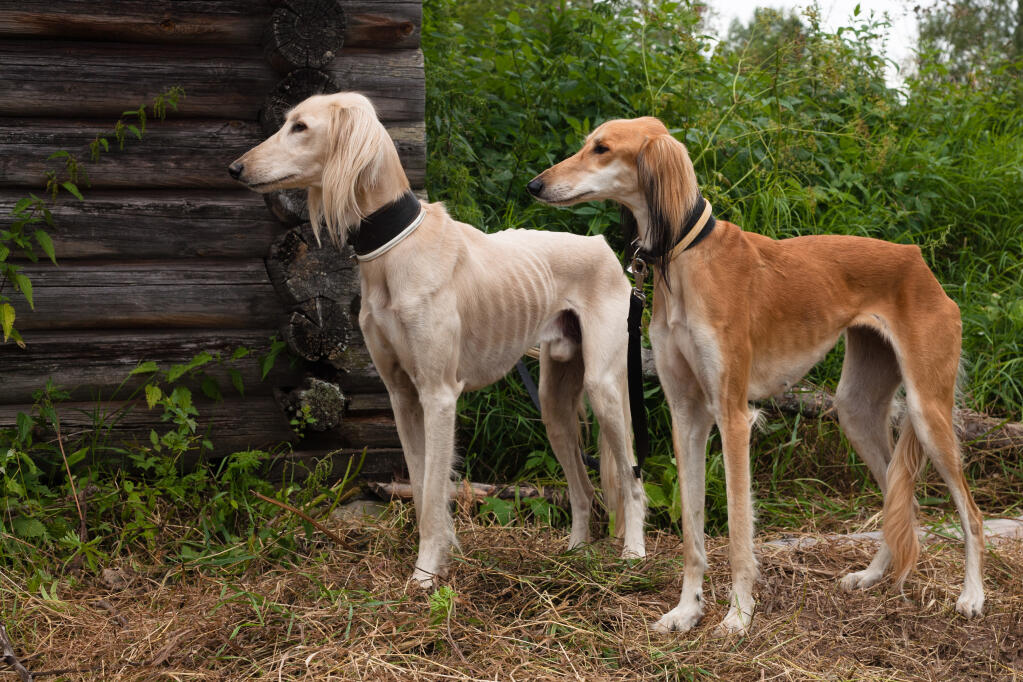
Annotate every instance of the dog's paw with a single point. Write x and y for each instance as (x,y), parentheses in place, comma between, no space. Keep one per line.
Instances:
(736,622)
(679,619)
(424,579)
(970,603)
(633,552)
(859,580)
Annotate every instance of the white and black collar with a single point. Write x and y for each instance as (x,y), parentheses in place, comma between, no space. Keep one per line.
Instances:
(385,228)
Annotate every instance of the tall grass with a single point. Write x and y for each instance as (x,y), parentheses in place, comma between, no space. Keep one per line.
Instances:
(804,138)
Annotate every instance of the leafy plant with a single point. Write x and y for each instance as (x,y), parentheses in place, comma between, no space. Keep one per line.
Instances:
(31,215)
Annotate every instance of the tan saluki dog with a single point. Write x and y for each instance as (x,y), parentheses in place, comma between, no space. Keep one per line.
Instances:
(446,308)
(740,316)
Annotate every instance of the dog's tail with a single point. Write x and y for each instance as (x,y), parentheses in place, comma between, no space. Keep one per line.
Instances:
(900,503)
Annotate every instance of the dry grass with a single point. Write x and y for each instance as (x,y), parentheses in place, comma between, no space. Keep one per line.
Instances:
(522,610)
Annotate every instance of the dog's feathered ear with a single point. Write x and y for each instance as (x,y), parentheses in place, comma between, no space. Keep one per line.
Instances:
(355,138)
(668,182)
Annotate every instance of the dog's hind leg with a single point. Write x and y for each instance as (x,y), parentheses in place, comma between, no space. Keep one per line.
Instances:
(930,395)
(561,387)
(605,362)
(870,377)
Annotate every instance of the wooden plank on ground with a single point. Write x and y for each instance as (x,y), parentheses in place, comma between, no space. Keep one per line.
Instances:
(368,23)
(149,224)
(101,80)
(174,153)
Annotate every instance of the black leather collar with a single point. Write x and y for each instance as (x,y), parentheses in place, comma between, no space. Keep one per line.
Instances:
(691,220)
(384,224)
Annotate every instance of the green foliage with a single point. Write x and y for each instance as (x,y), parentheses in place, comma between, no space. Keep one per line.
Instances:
(31,215)
(86,499)
(792,130)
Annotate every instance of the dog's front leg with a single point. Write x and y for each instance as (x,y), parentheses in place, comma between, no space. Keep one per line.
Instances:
(734,424)
(436,529)
(691,422)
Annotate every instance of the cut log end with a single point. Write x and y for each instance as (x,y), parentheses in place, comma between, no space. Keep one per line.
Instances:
(298,85)
(319,403)
(304,33)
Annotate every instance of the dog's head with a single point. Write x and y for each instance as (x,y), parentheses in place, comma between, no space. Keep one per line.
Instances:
(635,162)
(332,145)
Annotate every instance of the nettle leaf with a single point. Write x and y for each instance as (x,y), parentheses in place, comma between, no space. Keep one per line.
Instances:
(7,319)
(211,389)
(46,244)
(153,395)
(24,285)
(236,380)
(144,368)
(71,187)
(28,528)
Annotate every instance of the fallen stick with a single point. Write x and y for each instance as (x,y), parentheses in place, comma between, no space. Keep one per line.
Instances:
(995,531)
(478,491)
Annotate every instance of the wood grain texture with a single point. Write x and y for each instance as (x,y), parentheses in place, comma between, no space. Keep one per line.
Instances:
(369,23)
(57,78)
(161,294)
(97,364)
(304,34)
(133,225)
(174,154)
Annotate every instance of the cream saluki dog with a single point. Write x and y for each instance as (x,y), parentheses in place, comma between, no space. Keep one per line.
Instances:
(738,316)
(447,308)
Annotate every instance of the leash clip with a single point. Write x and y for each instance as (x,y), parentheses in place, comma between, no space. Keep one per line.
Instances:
(639,269)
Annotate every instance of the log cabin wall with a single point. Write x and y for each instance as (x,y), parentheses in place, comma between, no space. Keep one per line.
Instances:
(167,256)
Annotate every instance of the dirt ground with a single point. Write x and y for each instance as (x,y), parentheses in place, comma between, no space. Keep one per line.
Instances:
(519,608)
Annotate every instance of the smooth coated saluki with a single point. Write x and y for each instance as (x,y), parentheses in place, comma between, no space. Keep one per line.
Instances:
(447,308)
(740,316)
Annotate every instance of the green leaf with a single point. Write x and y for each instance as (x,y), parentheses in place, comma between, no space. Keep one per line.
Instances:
(24,285)
(136,131)
(236,380)
(153,395)
(71,187)
(240,352)
(144,368)
(28,528)
(77,456)
(22,204)
(7,319)
(210,389)
(46,244)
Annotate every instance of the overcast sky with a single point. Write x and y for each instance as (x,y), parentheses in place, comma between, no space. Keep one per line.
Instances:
(835,13)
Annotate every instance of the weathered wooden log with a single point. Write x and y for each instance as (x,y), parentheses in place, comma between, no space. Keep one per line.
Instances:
(318,284)
(379,463)
(174,153)
(292,89)
(321,402)
(370,23)
(288,206)
(97,364)
(120,224)
(162,294)
(234,424)
(43,78)
(304,34)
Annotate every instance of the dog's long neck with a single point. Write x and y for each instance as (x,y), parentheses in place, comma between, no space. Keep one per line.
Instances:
(384,183)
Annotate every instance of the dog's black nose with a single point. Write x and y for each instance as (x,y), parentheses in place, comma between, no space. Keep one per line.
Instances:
(235,169)
(535,186)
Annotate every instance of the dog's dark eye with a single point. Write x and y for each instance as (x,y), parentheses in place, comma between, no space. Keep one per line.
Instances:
(600,148)
(298,127)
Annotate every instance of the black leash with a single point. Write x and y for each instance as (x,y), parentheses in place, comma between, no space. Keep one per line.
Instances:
(637,301)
